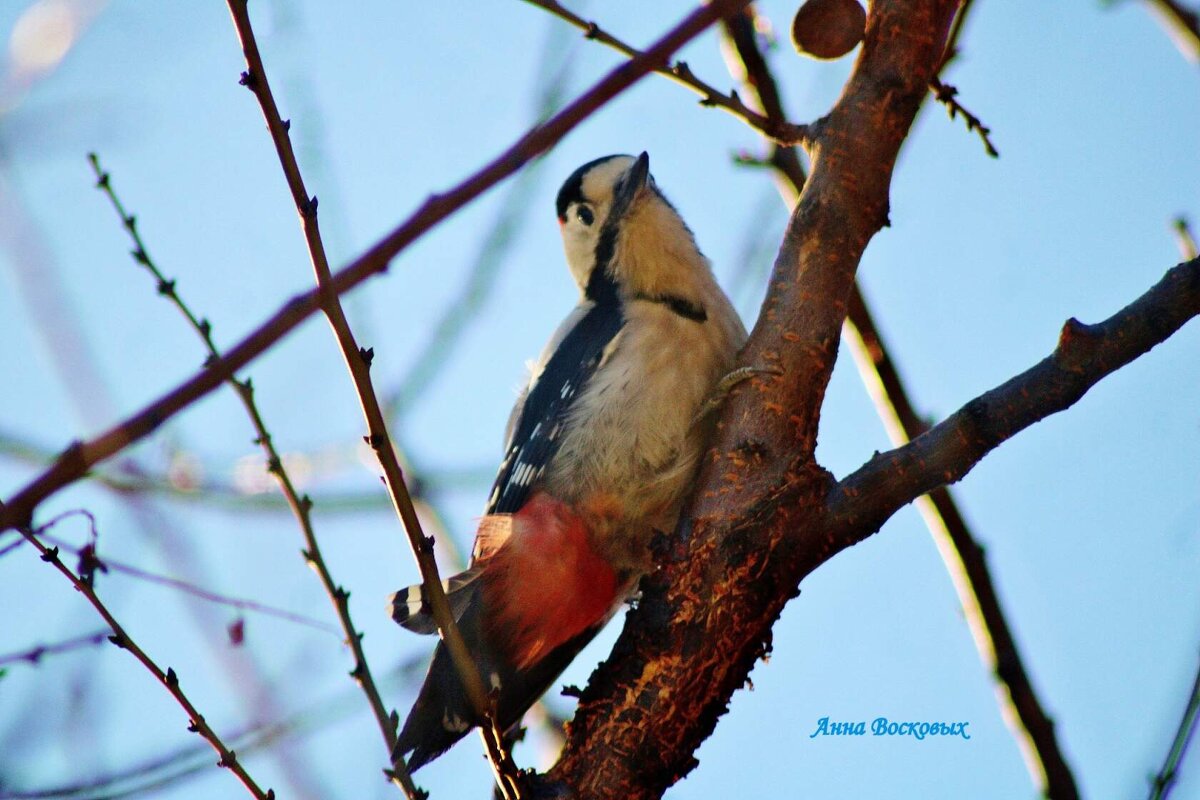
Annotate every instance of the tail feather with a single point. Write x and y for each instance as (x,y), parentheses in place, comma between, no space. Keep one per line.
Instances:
(442,714)
(410,608)
(545,592)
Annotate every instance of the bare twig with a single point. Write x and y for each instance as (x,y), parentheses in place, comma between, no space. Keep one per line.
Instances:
(967,566)
(68,347)
(168,678)
(960,552)
(358,362)
(177,764)
(190,588)
(229,493)
(34,655)
(777,129)
(299,505)
(946,452)
(947,95)
(1162,783)
(494,247)
(1181,23)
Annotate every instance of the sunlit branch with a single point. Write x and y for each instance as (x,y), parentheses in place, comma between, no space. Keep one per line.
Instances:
(960,552)
(862,501)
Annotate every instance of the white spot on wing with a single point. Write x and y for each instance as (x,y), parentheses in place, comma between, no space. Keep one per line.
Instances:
(454,724)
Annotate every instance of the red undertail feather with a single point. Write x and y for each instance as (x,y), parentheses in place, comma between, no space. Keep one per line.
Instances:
(544,583)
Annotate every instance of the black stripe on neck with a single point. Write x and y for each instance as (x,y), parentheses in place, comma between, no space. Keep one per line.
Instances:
(601,288)
(681,306)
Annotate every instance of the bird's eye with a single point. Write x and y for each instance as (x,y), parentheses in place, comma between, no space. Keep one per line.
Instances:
(585,214)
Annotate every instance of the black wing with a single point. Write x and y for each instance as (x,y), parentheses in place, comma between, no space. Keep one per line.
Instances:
(535,437)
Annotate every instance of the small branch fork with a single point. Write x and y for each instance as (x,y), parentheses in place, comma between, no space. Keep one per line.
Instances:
(88,553)
(776,129)
(168,678)
(963,556)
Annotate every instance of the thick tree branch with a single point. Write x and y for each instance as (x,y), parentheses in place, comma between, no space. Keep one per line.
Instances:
(967,565)
(863,501)
(962,555)
(75,462)
(748,538)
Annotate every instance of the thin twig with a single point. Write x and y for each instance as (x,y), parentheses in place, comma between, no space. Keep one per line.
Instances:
(952,39)
(966,564)
(34,655)
(947,95)
(179,763)
(962,555)
(358,361)
(1182,25)
(494,248)
(301,506)
(192,589)
(777,129)
(197,488)
(168,678)
(1163,782)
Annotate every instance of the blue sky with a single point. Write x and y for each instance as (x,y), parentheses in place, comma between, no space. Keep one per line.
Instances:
(1090,519)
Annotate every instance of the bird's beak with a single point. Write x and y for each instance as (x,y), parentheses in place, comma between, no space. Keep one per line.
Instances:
(632,184)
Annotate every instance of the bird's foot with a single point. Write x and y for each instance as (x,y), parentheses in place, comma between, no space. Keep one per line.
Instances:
(727,384)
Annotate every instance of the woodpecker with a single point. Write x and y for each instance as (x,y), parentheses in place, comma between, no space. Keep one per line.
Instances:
(600,451)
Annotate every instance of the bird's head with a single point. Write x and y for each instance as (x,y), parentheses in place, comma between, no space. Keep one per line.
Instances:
(620,234)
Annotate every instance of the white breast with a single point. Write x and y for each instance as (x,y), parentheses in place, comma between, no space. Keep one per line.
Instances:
(635,458)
